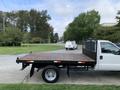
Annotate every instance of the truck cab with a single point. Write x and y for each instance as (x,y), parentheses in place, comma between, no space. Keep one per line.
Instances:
(108,56)
(105,53)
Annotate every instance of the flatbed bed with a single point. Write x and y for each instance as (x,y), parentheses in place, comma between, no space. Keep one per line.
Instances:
(51,62)
(55,57)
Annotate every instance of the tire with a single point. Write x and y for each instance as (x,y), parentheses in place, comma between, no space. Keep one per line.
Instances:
(50,74)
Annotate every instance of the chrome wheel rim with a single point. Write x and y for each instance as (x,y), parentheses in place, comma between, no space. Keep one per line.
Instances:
(50,74)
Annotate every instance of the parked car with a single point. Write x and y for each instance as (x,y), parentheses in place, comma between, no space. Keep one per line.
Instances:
(70,45)
(74,44)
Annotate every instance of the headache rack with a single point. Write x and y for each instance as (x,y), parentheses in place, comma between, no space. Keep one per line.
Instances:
(89,48)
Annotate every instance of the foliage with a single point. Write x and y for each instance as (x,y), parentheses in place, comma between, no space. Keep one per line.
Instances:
(32,23)
(118,18)
(82,26)
(108,33)
(111,33)
(26,38)
(22,20)
(1,21)
(51,37)
(36,40)
(38,22)
(10,37)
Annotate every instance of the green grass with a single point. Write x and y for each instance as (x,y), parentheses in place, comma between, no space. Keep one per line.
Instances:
(55,87)
(26,48)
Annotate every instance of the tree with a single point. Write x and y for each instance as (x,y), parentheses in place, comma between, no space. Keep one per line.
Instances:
(27,38)
(39,26)
(82,26)
(111,33)
(51,37)
(1,20)
(39,23)
(56,37)
(22,20)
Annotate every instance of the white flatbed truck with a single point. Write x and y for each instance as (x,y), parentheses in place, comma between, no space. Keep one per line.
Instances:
(98,55)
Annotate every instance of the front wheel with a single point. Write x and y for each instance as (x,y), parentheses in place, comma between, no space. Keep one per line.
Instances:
(50,74)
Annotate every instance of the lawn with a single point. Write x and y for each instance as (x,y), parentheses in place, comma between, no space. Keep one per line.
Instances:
(55,87)
(26,48)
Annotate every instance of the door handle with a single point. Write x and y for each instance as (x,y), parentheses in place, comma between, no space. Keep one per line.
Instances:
(101,57)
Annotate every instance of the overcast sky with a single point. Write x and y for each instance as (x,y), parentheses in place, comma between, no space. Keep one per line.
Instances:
(63,12)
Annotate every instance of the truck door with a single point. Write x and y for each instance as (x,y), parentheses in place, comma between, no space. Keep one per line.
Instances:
(109,58)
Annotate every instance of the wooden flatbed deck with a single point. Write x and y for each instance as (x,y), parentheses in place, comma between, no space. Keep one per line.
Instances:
(55,56)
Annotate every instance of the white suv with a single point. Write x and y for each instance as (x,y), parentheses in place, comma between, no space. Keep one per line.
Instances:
(70,45)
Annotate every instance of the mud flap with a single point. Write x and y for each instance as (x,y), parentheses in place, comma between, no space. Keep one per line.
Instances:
(32,70)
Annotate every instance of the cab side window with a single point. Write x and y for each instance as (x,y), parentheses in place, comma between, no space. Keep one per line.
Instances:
(107,47)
